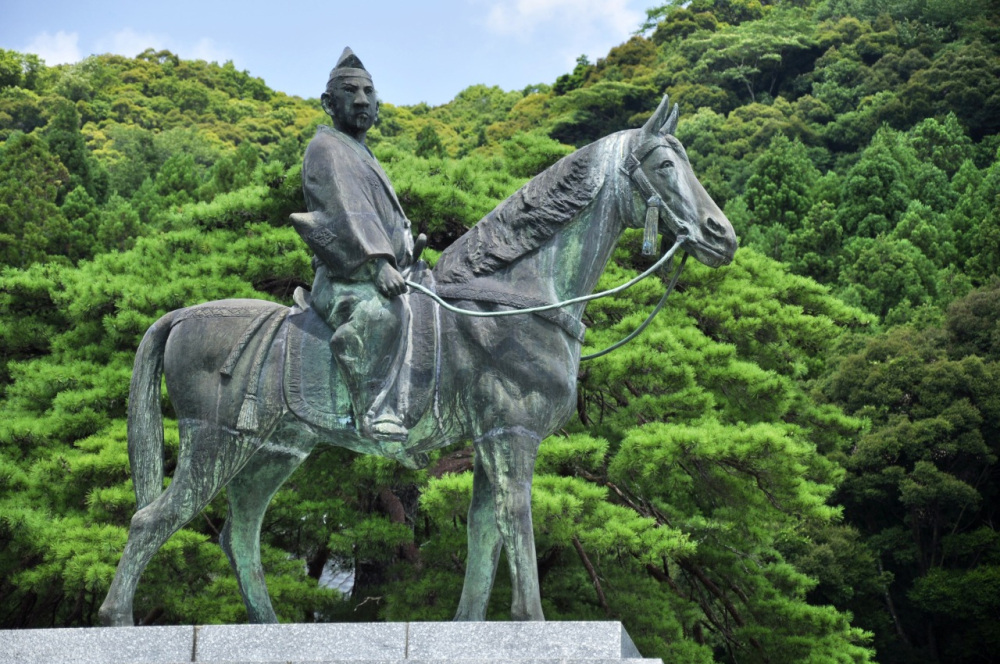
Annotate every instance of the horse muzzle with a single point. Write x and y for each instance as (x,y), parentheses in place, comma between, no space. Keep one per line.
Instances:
(713,242)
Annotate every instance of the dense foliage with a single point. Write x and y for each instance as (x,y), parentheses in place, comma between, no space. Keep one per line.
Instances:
(796,461)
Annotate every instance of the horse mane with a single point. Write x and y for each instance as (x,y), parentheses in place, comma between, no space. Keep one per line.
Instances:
(526,220)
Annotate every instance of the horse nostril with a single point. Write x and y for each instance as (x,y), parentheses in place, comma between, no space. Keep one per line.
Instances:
(715,229)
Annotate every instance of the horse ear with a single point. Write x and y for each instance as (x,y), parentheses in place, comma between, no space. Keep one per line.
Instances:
(658,117)
(670,126)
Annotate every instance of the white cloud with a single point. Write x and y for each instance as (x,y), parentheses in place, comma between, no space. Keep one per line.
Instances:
(207,50)
(520,17)
(568,27)
(60,48)
(130,43)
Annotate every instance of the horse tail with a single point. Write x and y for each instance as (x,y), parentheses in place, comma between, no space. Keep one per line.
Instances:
(145,421)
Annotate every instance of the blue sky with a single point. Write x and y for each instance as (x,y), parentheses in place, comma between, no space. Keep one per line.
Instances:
(416,51)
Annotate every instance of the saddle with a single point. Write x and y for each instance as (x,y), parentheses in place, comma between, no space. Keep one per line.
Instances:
(312,385)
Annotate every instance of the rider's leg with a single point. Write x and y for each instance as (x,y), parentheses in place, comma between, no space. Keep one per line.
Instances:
(368,345)
(382,324)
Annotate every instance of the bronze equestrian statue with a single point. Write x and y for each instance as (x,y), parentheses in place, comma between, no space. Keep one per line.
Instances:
(256,385)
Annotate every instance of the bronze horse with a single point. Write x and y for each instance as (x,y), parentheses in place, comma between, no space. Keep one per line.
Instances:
(504,383)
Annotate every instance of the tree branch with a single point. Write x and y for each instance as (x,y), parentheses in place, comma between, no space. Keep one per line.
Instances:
(211,525)
(618,492)
(393,506)
(593,576)
(892,606)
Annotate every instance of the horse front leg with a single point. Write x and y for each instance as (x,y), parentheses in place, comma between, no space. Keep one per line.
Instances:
(508,459)
(484,547)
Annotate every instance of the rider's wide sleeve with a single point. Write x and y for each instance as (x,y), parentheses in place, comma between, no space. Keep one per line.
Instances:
(346,229)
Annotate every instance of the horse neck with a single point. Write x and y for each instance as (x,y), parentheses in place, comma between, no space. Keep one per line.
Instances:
(580,254)
(576,257)
(570,263)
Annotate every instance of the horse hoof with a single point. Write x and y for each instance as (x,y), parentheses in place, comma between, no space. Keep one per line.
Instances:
(112,618)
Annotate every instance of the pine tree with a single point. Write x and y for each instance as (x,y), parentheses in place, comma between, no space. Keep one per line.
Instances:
(31,179)
(875,191)
(62,134)
(778,196)
(83,218)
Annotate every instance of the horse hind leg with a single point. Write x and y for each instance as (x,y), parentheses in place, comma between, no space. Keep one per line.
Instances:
(484,547)
(249,494)
(192,488)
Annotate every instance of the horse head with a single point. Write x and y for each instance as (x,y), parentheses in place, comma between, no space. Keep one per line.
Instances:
(661,171)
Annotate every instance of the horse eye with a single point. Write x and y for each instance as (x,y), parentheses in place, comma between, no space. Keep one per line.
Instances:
(667,164)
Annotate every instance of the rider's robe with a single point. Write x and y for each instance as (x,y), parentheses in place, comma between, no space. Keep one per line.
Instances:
(357,215)
(355,219)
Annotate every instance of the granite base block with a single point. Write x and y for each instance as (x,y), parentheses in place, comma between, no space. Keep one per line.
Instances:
(305,642)
(97,645)
(453,661)
(330,643)
(520,640)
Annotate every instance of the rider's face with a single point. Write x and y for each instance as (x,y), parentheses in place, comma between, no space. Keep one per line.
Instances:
(351,103)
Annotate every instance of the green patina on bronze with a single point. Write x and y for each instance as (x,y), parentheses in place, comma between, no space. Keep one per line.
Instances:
(256,386)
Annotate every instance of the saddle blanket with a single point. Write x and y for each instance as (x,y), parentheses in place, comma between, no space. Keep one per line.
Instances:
(313,388)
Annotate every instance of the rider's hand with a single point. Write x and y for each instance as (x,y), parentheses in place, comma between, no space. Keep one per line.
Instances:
(388,280)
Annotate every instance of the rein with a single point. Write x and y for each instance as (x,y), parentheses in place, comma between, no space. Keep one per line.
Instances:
(649,319)
(576,300)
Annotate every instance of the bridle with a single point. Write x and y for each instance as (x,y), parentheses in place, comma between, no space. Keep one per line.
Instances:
(654,204)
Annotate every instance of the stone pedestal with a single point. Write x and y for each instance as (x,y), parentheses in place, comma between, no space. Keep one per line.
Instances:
(333,643)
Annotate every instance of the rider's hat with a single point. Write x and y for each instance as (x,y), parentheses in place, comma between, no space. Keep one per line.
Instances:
(349,65)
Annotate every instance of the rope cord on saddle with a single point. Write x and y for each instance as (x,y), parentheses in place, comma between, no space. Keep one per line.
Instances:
(576,300)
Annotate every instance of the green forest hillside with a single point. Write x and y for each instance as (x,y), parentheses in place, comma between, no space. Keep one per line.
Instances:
(797,461)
